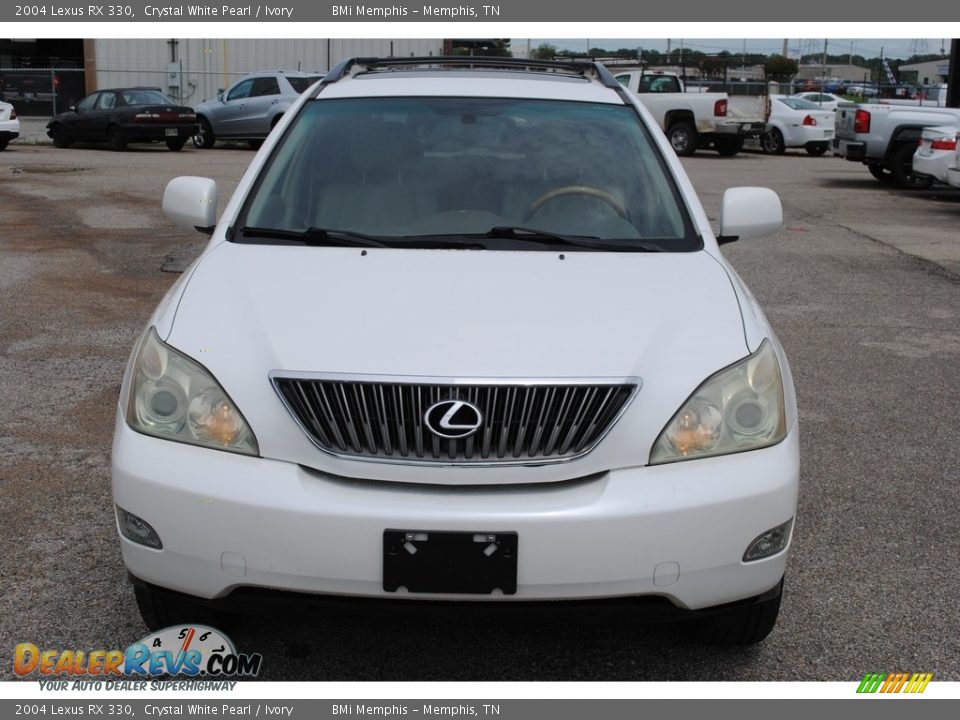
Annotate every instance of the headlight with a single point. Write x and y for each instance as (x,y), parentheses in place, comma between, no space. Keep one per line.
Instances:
(174,397)
(739,408)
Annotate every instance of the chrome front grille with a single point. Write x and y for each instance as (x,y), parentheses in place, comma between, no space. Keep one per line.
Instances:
(523,422)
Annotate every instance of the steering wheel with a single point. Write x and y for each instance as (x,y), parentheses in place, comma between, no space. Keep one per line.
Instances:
(588,190)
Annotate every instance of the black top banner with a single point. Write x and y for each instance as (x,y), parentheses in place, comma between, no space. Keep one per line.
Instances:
(300,11)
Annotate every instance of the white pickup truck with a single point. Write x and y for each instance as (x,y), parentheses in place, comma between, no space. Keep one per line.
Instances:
(884,138)
(690,120)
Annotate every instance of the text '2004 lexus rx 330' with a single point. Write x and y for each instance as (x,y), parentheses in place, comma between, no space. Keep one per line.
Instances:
(463,333)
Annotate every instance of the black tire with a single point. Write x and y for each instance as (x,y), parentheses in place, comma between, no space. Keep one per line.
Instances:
(204,137)
(816,149)
(683,138)
(60,137)
(176,144)
(255,144)
(901,169)
(772,142)
(743,625)
(727,146)
(115,139)
(880,172)
(160,609)
(3,143)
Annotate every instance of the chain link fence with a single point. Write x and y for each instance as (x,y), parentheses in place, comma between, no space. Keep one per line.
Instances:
(42,92)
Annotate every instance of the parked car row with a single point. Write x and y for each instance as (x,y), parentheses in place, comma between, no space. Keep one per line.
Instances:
(248,110)
(885,137)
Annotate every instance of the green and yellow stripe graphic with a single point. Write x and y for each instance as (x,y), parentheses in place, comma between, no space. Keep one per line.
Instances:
(895,682)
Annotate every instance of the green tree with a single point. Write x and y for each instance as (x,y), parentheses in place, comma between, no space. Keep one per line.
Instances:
(780,68)
(480,48)
(544,51)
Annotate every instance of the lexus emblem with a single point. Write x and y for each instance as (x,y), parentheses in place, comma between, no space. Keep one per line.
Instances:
(453,419)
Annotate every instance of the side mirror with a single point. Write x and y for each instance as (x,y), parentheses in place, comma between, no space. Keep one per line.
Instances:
(192,202)
(220,96)
(749,212)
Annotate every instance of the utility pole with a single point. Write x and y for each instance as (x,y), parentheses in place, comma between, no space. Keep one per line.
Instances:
(823,68)
(786,47)
(953,75)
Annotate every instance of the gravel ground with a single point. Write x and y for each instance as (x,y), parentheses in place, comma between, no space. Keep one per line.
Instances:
(862,285)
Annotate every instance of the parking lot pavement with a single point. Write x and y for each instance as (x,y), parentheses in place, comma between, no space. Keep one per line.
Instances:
(872,331)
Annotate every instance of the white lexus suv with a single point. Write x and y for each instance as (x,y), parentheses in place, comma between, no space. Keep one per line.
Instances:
(462,333)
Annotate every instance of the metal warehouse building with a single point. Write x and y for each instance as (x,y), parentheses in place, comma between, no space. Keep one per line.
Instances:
(45,76)
(191,70)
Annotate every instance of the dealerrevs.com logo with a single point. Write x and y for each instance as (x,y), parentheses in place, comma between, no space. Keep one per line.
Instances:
(186,650)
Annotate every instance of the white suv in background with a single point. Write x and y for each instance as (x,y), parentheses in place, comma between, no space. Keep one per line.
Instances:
(250,108)
(463,332)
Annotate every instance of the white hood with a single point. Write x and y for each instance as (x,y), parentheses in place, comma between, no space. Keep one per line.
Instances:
(670,319)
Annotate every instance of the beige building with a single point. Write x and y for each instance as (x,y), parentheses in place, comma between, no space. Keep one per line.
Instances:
(832,71)
(932,72)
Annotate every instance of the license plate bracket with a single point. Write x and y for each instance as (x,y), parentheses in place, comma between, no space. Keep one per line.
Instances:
(171,132)
(471,563)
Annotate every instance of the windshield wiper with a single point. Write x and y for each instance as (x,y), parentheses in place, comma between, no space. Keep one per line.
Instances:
(321,237)
(545,237)
(315,236)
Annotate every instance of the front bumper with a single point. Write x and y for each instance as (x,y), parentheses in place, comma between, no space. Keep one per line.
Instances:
(679,531)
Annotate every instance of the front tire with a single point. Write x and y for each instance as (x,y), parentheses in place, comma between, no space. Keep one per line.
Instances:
(901,169)
(60,137)
(741,625)
(816,149)
(683,138)
(204,137)
(773,143)
(4,143)
(176,144)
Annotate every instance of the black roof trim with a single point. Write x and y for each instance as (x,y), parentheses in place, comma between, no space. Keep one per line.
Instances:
(573,67)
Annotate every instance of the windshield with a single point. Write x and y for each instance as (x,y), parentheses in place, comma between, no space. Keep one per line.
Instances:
(799,104)
(146,97)
(300,84)
(399,169)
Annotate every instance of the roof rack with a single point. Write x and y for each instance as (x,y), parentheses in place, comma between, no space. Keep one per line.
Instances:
(574,67)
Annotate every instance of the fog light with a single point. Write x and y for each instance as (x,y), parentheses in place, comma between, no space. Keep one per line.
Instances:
(770,543)
(137,529)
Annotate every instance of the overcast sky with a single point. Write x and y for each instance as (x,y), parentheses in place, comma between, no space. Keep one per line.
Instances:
(892,48)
